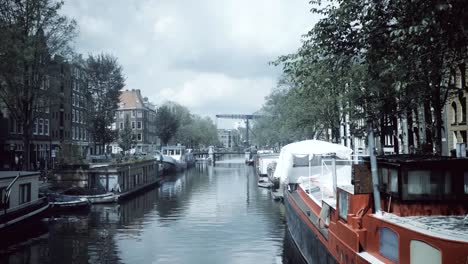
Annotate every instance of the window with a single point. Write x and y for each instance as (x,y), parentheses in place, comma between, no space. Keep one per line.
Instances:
(41,127)
(121,125)
(46,127)
(73,99)
(343,204)
(388,179)
(139,114)
(463,135)
(35,126)
(24,193)
(73,115)
(133,124)
(73,132)
(454,113)
(388,244)
(84,134)
(139,124)
(466,182)
(421,252)
(139,137)
(463,110)
(133,113)
(2,194)
(427,183)
(455,139)
(121,114)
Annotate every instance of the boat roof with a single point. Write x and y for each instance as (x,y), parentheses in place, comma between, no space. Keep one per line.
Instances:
(409,160)
(450,227)
(307,148)
(13,174)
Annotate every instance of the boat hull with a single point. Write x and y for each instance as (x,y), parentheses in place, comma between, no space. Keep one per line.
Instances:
(18,216)
(98,199)
(78,204)
(306,240)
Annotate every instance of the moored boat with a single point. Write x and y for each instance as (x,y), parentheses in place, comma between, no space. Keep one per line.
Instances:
(178,154)
(419,216)
(20,199)
(62,202)
(263,161)
(94,196)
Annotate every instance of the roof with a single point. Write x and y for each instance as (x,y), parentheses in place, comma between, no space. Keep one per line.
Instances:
(130,99)
(13,174)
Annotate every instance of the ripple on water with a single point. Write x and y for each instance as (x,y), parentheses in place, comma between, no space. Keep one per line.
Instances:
(205,215)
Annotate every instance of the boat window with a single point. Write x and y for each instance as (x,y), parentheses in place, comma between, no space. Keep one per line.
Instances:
(343,204)
(24,193)
(164,152)
(3,203)
(177,151)
(393,180)
(388,244)
(466,182)
(421,252)
(388,179)
(427,183)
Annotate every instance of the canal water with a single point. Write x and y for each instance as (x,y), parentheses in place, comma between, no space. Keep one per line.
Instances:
(204,215)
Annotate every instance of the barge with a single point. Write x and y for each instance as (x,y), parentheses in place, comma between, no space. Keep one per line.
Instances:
(417,212)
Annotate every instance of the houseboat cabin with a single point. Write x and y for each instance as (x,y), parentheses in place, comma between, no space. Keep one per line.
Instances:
(19,192)
(420,215)
(178,153)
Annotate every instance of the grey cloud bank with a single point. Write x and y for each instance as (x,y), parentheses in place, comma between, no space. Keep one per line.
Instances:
(209,55)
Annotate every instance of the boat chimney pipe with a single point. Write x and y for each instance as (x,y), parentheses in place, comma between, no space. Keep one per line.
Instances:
(373,161)
(333,156)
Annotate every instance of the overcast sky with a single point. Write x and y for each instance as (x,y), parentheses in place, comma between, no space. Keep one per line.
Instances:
(208,55)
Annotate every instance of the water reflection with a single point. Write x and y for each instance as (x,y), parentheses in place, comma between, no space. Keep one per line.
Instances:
(209,214)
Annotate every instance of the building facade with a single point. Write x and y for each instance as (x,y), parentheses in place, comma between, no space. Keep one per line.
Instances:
(455,107)
(225,136)
(142,117)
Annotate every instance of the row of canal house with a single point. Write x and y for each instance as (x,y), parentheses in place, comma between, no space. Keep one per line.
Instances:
(61,120)
(408,131)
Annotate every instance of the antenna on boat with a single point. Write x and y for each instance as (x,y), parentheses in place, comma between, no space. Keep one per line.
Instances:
(373,161)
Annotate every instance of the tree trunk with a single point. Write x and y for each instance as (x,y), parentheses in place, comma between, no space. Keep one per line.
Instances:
(428,146)
(409,116)
(437,104)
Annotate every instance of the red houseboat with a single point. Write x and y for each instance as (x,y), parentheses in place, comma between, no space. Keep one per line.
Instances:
(418,213)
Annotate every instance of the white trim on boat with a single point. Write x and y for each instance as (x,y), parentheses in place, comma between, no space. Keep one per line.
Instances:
(24,216)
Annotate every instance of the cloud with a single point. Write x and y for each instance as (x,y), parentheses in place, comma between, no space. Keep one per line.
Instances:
(215,93)
(209,55)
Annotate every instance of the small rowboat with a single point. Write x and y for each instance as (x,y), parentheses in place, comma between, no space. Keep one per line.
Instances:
(63,202)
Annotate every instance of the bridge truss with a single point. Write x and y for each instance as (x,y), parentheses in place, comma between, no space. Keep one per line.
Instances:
(244,117)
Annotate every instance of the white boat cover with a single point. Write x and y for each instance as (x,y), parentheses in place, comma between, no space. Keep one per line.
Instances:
(306,148)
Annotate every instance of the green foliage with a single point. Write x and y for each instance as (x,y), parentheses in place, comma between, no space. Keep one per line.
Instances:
(126,138)
(105,80)
(167,124)
(193,131)
(70,154)
(370,60)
